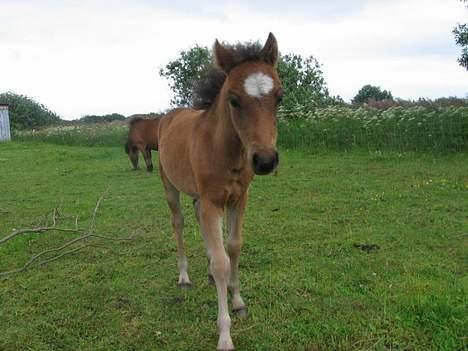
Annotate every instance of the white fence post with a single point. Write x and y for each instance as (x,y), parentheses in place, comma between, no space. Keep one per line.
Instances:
(4,124)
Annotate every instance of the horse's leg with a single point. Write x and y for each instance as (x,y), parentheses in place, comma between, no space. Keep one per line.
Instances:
(148,161)
(211,219)
(133,155)
(172,196)
(235,215)
(196,210)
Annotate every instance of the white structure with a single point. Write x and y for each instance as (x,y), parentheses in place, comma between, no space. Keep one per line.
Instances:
(4,124)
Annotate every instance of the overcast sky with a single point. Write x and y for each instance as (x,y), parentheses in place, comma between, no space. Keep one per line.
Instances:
(97,57)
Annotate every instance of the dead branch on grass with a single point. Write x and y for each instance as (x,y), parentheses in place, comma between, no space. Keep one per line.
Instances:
(55,215)
(89,233)
(35,230)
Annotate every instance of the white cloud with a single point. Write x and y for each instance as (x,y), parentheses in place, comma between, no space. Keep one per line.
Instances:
(99,57)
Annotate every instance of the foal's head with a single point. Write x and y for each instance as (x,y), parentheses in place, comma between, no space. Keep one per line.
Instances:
(252,91)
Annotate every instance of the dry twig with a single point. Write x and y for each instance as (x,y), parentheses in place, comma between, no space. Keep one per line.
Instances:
(35,230)
(55,214)
(33,261)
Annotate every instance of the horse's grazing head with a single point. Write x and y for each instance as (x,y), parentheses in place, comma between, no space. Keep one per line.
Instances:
(252,90)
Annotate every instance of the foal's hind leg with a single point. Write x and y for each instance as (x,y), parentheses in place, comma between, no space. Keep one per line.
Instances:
(235,214)
(196,209)
(148,161)
(172,196)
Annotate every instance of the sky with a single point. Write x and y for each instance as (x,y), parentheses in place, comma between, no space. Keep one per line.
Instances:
(97,57)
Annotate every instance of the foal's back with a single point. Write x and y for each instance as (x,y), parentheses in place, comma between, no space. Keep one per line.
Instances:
(144,131)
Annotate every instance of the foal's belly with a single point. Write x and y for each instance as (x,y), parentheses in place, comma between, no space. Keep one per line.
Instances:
(174,155)
(184,184)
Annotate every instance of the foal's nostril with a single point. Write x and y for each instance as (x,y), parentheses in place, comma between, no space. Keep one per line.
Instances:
(255,159)
(264,162)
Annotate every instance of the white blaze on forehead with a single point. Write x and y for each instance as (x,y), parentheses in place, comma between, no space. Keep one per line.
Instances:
(258,84)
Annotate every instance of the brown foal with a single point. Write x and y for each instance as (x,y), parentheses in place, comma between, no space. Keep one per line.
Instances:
(212,153)
(143,137)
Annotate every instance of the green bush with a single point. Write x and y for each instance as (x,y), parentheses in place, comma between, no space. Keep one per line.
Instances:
(26,113)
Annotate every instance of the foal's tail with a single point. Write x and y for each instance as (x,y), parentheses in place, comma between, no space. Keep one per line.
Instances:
(132,152)
(127,147)
(130,147)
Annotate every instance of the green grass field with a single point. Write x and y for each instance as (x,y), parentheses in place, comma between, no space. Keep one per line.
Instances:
(306,284)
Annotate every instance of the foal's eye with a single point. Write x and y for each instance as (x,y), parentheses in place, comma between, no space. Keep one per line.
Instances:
(234,101)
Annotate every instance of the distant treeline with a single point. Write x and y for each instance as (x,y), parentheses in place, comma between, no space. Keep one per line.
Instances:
(27,114)
(104,118)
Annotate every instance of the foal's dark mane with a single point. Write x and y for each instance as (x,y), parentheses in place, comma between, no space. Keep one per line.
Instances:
(207,88)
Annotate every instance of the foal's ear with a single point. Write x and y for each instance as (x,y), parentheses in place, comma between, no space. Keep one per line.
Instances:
(224,57)
(270,50)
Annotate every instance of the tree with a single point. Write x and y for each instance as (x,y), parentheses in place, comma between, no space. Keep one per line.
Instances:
(26,113)
(303,83)
(461,38)
(368,92)
(302,78)
(184,71)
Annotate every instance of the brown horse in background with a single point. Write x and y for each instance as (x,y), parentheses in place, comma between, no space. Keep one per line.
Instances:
(212,153)
(143,137)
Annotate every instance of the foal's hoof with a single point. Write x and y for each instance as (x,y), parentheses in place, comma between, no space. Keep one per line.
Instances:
(211,280)
(240,312)
(184,286)
(225,349)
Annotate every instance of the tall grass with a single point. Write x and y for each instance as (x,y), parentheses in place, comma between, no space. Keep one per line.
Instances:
(399,129)
(395,129)
(99,134)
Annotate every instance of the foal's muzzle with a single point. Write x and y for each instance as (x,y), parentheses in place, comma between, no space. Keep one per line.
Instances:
(264,162)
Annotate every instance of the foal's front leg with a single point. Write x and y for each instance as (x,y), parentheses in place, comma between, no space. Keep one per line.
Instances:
(211,220)
(133,155)
(173,200)
(235,216)
(196,208)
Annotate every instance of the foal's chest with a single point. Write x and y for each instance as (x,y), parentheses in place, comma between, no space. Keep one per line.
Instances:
(237,185)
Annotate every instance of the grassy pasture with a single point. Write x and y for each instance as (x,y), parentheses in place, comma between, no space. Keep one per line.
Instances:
(306,284)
